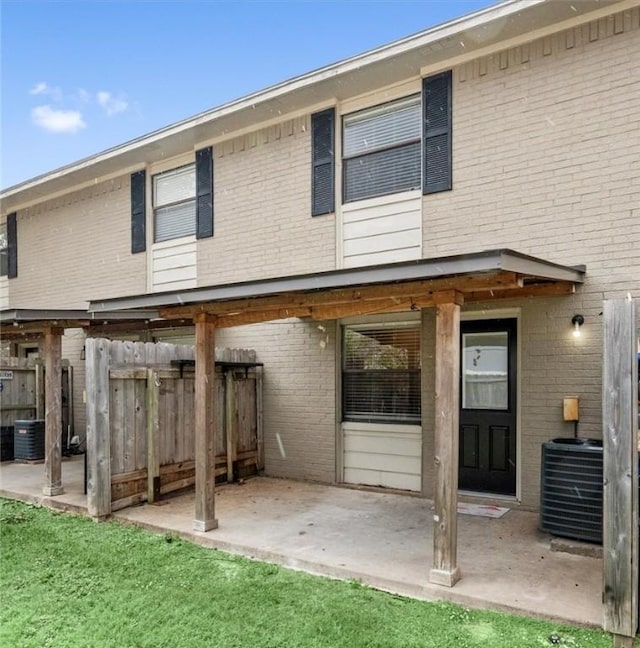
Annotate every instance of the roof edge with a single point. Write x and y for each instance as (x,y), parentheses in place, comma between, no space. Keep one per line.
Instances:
(442,30)
(422,269)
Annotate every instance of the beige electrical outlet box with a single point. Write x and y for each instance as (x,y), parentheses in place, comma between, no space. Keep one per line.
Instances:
(571,408)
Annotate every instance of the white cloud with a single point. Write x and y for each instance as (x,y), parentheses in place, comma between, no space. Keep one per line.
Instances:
(112,105)
(58,121)
(83,95)
(43,88)
(39,88)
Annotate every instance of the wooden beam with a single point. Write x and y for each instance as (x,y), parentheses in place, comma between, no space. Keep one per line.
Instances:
(205,423)
(255,317)
(11,334)
(331,312)
(389,305)
(40,327)
(528,290)
(444,570)
(620,470)
(53,412)
(100,328)
(465,283)
(98,433)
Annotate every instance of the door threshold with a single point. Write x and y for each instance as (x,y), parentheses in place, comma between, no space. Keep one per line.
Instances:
(488,496)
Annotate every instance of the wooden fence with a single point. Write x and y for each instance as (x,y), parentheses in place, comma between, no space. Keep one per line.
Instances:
(140,417)
(22,392)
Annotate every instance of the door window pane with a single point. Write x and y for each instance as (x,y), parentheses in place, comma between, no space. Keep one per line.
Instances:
(485,370)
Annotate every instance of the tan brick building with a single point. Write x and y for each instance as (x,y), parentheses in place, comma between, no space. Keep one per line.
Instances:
(534,146)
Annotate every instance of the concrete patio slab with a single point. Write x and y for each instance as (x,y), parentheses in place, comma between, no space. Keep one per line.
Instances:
(24,482)
(380,539)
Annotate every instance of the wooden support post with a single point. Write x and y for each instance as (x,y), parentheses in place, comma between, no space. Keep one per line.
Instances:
(98,433)
(53,412)
(205,444)
(620,471)
(153,432)
(444,570)
(230,422)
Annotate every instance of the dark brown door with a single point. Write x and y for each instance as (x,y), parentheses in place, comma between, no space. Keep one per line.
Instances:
(488,373)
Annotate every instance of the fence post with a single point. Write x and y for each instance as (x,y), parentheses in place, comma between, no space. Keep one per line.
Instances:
(259,419)
(39,369)
(230,421)
(98,434)
(153,431)
(620,472)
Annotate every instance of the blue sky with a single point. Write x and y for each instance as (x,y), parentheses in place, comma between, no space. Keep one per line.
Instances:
(78,77)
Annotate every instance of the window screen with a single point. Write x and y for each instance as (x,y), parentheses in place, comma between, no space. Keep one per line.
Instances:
(174,203)
(381,374)
(382,150)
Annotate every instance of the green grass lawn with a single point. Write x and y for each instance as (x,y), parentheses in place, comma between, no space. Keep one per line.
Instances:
(68,581)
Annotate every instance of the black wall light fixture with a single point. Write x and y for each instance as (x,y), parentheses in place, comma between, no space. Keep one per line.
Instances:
(577,321)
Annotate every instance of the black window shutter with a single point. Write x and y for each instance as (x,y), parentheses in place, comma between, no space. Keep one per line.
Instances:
(436,133)
(138,212)
(204,193)
(12,246)
(323,171)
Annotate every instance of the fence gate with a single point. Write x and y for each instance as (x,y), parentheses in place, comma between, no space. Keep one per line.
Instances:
(150,416)
(22,398)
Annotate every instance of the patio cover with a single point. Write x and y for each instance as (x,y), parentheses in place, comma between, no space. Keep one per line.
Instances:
(48,325)
(375,289)
(444,283)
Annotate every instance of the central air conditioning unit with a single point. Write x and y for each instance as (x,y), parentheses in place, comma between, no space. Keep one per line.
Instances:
(571,489)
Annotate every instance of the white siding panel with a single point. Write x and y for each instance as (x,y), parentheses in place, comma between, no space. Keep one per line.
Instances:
(383,455)
(380,478)
(174,265)
(4,292)
(393,204)
(382,230)
(375,226)
(183,259)
(388,241)
(376,258)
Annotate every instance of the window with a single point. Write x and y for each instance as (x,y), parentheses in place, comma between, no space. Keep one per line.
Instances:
(382,150)
(174,203)
(4,251)
(400,145)
(381,374)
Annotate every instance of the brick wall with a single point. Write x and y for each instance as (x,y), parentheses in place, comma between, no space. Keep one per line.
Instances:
(76,248)
(299,394)
(263,223)
(547,162)
(72,346)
